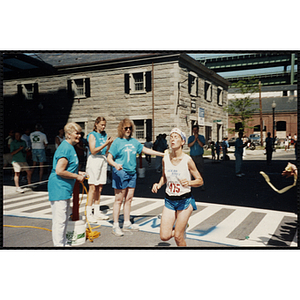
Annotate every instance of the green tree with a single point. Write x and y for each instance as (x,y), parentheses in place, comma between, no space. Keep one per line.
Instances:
(242,109)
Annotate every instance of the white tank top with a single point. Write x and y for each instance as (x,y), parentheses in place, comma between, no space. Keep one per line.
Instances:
(174,174)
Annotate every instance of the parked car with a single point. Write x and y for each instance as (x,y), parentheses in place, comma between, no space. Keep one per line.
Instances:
(231,141)
(255,138)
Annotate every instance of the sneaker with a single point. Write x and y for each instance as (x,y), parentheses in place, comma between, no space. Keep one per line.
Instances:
(101,216)
(238,175)
(131,227)
(92,219)
(19,190)
(117,231)
(242,174)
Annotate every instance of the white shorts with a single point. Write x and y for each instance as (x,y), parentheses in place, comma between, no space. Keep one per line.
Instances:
(96,168)
(19,166)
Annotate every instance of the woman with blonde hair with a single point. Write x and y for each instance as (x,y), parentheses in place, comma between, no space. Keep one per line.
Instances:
(61,182)
(96,168)
(122,156)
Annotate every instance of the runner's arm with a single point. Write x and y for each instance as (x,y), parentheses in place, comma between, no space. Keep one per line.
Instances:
(198,180)
(162,181)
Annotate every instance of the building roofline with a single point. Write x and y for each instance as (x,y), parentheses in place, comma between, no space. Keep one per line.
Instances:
(142,58)
(205,70)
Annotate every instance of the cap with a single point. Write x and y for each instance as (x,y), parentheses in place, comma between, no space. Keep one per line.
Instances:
(181,133)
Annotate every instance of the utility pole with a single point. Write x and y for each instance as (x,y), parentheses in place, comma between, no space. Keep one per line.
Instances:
(261,121)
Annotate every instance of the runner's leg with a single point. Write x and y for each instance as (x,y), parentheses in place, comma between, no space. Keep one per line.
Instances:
(167,223)
(181,222)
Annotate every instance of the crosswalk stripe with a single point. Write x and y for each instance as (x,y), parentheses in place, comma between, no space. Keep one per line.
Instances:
(223,224)
(25,197)
(27,203)
(225,227)
(200,216)
(267,225)
(246,227)
(146,208)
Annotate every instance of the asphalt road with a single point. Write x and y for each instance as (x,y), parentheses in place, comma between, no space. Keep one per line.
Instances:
(223,187)
(221,184)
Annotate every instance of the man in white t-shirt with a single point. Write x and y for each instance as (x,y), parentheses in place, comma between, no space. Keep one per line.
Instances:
(39,143)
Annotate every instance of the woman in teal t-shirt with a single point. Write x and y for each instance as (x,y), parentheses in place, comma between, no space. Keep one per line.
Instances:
(61,182)
(122,156)
(96,168)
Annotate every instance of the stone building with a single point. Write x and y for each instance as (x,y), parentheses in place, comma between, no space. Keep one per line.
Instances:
(158,91)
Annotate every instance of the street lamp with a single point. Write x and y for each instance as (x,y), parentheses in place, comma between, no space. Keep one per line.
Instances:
(273,107)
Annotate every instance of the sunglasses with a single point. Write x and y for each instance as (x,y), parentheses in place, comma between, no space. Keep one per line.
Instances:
(126,128)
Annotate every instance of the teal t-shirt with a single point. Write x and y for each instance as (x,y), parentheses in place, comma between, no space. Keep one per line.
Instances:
(124,153)
(196,149)
(20,156)
(61,188)
(100,139)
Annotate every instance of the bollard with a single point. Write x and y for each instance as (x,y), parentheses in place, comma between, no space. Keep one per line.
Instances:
(75,211)
(141,170)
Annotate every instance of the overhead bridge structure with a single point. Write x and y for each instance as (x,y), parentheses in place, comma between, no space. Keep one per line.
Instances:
(264,60)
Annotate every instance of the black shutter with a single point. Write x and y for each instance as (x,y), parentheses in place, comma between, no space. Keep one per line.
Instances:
(35,91)
(70,91)
(148,81)
(149,128)
(196,86)
(126,83)
(20,92)
(87,87)
(190,83)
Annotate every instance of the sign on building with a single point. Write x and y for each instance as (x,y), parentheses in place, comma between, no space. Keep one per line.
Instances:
(201,116)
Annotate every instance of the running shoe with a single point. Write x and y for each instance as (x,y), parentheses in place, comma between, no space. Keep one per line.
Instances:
(101,216)
(117,231)
(92,219)
(19,190)
(131,227)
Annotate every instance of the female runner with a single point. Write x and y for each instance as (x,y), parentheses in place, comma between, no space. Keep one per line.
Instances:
(179,202)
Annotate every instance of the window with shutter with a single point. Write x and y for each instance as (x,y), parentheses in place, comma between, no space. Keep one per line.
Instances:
(28,91)
(137,83)
(193,85)
(207,91)
(143,128)
(79,88)
(220,96)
